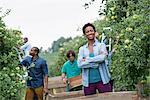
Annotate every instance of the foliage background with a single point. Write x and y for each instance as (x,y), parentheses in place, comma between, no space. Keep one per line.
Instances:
(11,82)
(129,20)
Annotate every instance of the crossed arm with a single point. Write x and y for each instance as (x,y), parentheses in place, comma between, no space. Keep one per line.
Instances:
(85,62)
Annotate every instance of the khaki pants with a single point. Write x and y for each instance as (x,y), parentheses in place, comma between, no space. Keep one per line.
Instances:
(31,91)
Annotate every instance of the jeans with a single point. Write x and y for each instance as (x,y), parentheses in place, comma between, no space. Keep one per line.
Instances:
(91,89)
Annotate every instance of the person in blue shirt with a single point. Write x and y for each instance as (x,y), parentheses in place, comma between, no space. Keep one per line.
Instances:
(91,59)
(37,81)
(26,47)
(70,68)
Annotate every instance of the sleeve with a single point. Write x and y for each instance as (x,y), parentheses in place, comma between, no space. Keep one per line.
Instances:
(102,55)
(25,61)
(103,49)
(81,63)
(45,68)
(63,69)
(24,46)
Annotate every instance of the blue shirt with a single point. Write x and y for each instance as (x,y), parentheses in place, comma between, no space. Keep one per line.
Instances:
(71,69)
(98,61)
(37,70)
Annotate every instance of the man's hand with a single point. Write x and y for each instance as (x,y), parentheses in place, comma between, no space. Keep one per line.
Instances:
(18,47)
(46,84)
(45,90)
(83,59)
(64,80)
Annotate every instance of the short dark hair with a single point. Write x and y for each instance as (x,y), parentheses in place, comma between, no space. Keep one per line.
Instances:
(37,49)
(86,25)
(25,38)
(70,52)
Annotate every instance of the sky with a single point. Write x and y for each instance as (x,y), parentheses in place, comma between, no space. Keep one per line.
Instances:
(45,21)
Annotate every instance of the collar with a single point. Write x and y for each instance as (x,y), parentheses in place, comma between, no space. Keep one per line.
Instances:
(34,59)
(71,62)
(94,44)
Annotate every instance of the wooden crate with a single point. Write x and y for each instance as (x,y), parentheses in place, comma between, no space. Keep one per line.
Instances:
(75,81)
(55,85)
(65,95)
(124,95)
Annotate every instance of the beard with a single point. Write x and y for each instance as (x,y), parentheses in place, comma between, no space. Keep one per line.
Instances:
(31,54)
